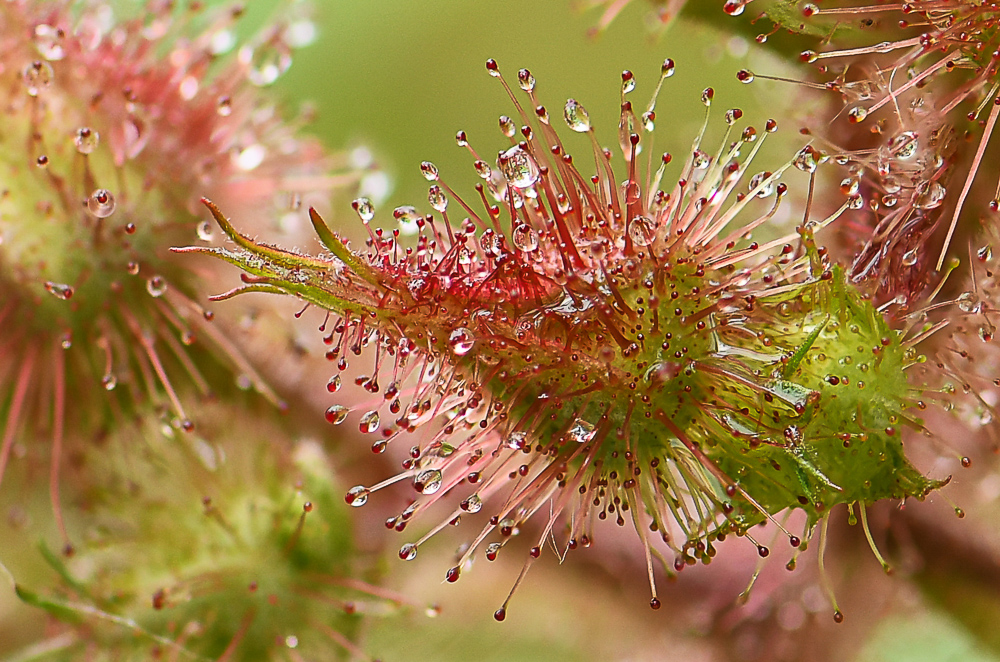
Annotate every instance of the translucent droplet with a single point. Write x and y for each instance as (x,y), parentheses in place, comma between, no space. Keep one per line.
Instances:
(807,159)
(581,431)
(132,268)
(525,80)
(483,169)
(37,76)
(49,42)
(910,257)
(365,209)
(357,496)
(224,106)
(204,230)
(576,116)
(700,160)
(525,238)
(904,146)
(891,184)
(59,290)
(734,7)
(337,414)
(745,76)
(461,341)
(109,381)
(507,126)
(516,440)
(641,231)
(334,384)
(985,253)
(757,180)
(427,482)
(250,157)
(889,200)
(930,195)
(156,286)
(437,198)
(518,167)
(968,302)
(267,62)
(473,504)
(429,171)
(86,140)
(101,203)
(857,114)
(628,82)
(408,552)
(369,422)
(850,186)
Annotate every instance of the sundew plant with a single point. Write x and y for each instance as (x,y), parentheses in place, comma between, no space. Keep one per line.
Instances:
(681,352)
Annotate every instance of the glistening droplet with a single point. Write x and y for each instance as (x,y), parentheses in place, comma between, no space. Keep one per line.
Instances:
(518,167)
(461,341)
(576,116)
(86,140)
(357,496)
(427,482)
(101,203)
(156,286)
(369,422)
(337,414)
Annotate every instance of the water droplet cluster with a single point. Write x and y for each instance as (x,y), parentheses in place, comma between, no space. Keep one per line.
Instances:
(602,350)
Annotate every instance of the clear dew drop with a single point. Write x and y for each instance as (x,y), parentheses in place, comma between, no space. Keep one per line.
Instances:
(101,203)
(473,504)
(985,253)
(267,62)
(132,268)
(334,384)
(109,382)
(525,238)
(641,231)
(628,82)
(581,431)
(86,140)
(518,167)
(369,422)
(156,286)
(461,341)
(891,185)
(904,146)
(515,441)
(757,180)
(968,302)
(224,106)
(734,7)
(357,496)
(429,171)
(910,257)
(857,114)
(49,42)
(37,76)
(525,80)
(889,200)
(806,160)
(507,126)
(408,552)
(930,195)
(700,160)
(576,116)
(437,199)
(365,209)
(59,290)
(337,414)
(427,482)
(483,169)
(204,230)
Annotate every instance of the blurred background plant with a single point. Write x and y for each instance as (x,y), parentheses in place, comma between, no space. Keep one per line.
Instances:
(390,81)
